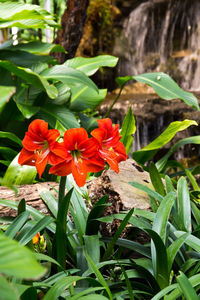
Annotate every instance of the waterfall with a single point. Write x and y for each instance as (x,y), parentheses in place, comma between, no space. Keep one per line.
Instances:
(162,35)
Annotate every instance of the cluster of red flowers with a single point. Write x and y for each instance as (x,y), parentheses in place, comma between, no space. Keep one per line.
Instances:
(77,154)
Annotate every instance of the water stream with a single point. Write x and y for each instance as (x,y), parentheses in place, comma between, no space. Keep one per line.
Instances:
(162,35)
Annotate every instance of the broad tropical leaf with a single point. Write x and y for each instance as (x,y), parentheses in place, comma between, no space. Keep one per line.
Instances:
(6,93)
(68,75)
(164,86)
(84,97)
(90,65)
(23,15)
(30,77)
(16,174)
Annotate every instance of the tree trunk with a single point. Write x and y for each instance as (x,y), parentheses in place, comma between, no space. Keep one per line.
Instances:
(73,21)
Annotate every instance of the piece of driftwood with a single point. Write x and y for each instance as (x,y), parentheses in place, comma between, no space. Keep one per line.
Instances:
(120,193)
(31,193)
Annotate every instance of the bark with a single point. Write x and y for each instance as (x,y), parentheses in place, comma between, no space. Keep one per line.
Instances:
(73,21)
(31,193)
(121,194)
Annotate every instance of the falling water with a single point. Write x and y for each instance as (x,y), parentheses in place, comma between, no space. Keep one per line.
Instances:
(162,35)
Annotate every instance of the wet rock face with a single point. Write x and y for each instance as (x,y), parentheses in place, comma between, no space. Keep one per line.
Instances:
(161,35)
(153,115)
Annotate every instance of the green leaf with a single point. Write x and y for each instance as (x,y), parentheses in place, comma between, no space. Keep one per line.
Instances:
(98,275)
(50,201)
(159,259)
(183,205)
(17,175)
(8,290)
(156,179)
(89,123)
(41,256)
(169,184)
(25,59)
(59,287)
(90,65)
(34,212)
(31,78)
(90,296)
(11,136)
(194,281)
(14,259)
(61,229)
(173,249)
(30,293)
(40,225)
(150,150)
(92,225)
(7,153)
(165,291)
(16,225)
(147,190)
(128,283)
(191,240)
(134,246)
(162,215)
(190,140)
(186,287)
(127,130)
(24,16)
(21,206)
(6,93)
(27,110)
(51,113)
(164,86)
(38,48)
(68,75)
(93,247)
(64,94)
(117,235)
(84,97)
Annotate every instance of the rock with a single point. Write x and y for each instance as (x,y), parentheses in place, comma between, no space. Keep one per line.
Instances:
(120,193)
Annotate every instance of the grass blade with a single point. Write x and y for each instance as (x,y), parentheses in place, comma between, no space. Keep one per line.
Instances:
(162,215)
(156,179)
(98,275)
(183,203)
(186,287)
(17,224)
(117,235)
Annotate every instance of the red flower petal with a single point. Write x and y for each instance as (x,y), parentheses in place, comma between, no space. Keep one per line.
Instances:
(26,158)
(62,169)
(74,137)
(79,172)
(52,136)
(111,159)
(120,151)
(41,165)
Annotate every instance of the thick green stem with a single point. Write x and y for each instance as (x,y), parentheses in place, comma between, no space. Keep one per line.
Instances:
(60,252)
(61,192)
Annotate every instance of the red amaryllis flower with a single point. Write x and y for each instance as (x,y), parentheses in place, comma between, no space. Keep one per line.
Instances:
(110,147)
(38,144)
(79,156)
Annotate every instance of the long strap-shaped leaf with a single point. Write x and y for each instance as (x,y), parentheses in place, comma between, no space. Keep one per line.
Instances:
(98,275)
(117,234)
